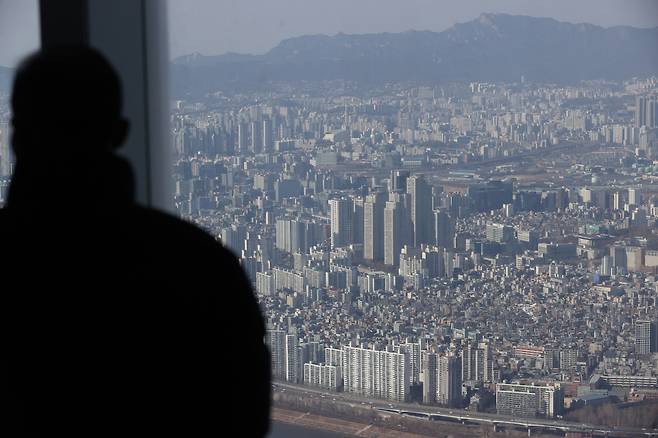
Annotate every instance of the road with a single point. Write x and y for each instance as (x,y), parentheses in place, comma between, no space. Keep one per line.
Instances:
(460,415)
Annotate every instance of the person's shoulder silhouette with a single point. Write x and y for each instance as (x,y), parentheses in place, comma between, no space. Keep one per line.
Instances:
(119,318)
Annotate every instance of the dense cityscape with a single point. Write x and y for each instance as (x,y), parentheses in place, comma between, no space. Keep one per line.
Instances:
(488,246)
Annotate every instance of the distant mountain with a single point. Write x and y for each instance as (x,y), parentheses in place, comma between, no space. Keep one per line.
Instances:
(494,47)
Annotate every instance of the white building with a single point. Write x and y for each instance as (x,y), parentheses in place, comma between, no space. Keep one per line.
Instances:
(323,376)
(528,400)
(376,374)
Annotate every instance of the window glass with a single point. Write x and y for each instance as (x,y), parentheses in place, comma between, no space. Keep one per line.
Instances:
(445,208)
(19,35)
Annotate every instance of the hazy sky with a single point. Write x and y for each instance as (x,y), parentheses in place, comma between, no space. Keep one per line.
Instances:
(255,26)
(19,29)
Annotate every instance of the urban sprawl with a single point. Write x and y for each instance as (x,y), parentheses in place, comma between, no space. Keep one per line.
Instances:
(491,246)
(485,246)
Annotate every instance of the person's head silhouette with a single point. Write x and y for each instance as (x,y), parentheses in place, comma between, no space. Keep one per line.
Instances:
(66,101)
(66,115)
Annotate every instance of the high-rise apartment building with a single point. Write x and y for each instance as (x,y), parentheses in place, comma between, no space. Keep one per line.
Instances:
(398,183)
(444,229)
(373,226)
(293,235)
(342,222)
(413,350)
(429,375)
(243,136)
(397,227)
(646,112)
(449,382)
(268,142)
(420,210)
(358,220)
(646,337)
(6,155)
(323,376)
(376,374)
(276,341)
(293,362)
(477,362)
(528,400)
(256,137)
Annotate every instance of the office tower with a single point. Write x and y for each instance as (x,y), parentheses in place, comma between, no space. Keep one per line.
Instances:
(376,374)
(528,400)
(256,137)
(276,342)
(645,337)
(242,138)
(449,387)
(268,142)
(373,227)
(444,229)
(293,364)
(342,222)
(429,376)
(398,183)
(397,227)
(420,210)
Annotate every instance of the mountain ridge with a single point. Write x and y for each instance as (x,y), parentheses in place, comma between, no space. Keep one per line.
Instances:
(485,19)
(493,47)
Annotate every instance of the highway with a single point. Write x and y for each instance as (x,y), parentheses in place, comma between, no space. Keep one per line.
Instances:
(462,416)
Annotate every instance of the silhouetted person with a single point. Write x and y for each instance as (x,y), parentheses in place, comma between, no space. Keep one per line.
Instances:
(115,320)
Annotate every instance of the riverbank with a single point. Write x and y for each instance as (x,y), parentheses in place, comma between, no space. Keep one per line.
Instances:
(341,427)
(286,430)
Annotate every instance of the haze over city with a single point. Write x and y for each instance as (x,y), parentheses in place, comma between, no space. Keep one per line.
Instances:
(451,230)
